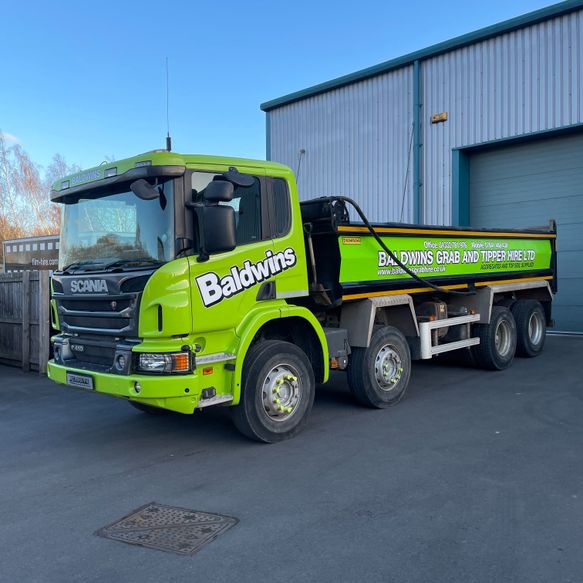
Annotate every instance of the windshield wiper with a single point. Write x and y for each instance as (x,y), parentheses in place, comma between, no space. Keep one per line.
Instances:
(127,262)
(140,262)
(76,264)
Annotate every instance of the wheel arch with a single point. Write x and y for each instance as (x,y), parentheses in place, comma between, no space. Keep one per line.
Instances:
(293,324)
(359,318)
(504,294)
(541,293)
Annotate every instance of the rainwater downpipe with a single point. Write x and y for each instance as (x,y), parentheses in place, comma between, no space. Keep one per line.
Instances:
(417,145)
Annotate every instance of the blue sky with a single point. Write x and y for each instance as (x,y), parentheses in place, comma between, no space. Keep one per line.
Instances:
(86,79)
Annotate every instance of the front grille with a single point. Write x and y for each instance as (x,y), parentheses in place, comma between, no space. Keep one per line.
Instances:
(94,353)
(97,322)
(111,313)
(101,355)
(96,305)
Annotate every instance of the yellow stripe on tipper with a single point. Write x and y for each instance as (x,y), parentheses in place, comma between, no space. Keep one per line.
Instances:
(415,290)
(437,232)
(419,290)
(518,280)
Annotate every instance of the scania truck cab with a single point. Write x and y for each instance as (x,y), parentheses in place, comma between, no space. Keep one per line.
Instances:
(189,281)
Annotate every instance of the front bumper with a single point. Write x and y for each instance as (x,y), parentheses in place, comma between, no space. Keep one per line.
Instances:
(180,393)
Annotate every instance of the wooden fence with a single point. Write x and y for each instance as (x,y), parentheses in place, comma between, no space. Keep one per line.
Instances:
(24,320)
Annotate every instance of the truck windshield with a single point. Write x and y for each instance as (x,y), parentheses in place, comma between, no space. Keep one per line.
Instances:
(117,229)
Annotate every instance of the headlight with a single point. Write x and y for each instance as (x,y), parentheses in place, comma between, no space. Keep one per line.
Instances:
(164,363)
(154,362)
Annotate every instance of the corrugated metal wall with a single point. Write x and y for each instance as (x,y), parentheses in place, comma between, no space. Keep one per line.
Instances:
(356,140)
(356,137)
(526,184)
(524,81)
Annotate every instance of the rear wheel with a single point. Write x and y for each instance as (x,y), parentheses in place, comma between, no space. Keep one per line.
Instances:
(497,340)
(277,393)
(148,408)
(531,327)
(378,375)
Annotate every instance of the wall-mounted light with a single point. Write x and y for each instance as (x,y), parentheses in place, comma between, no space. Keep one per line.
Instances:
(439,117)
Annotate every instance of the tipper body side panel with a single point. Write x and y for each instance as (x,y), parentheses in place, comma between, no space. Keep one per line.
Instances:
(350,264)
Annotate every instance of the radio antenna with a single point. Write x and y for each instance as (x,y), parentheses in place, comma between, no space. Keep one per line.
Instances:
(168,138)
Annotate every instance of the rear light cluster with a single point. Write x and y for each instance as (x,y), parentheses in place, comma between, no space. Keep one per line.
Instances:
(166,363)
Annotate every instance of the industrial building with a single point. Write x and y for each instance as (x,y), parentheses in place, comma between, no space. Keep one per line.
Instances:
(31,254)
(484,130)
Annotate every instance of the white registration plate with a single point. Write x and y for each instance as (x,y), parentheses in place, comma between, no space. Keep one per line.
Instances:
(81,381)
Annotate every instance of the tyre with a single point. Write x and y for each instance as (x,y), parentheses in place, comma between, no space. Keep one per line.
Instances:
(378,375)
(277,392)
(497,340)
(149,409)
(506,303)
(530,326)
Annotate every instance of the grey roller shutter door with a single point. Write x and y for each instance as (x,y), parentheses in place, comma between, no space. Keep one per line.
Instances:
(526,185)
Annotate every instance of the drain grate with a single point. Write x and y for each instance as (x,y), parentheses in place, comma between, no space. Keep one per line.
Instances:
(168,528)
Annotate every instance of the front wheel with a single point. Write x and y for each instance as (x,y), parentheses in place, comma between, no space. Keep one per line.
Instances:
(378,376)
(277,393)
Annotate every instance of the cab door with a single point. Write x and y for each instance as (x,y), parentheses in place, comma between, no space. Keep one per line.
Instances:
(288,238)
(226,287)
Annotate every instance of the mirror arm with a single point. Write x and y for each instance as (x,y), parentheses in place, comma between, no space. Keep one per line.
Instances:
(202,252)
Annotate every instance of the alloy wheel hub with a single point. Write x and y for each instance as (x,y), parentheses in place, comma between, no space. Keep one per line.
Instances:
(503,338)
(388,367)
(535,328)
(281,392)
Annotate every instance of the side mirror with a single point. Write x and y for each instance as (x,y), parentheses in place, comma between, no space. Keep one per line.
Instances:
(219,191)
(219,227)
(144,190)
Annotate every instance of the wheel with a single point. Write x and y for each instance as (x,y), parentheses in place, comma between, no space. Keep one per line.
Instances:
(497,340)
(277,392)
(531,327)
(506,302)
(378,375)
(149,409)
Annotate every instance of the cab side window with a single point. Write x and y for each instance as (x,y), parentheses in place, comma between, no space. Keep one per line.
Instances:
(281,206)
(246,203)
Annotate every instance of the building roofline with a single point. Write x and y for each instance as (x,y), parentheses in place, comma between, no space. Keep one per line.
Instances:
(25,239)
(482,34)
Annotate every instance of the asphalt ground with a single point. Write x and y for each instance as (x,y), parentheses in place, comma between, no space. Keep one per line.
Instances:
(475,476)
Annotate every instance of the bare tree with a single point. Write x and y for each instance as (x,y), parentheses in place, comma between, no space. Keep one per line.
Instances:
(57,169)
(25,206)
(9,211)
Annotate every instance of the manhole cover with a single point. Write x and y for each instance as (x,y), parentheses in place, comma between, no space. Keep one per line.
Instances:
(167,528)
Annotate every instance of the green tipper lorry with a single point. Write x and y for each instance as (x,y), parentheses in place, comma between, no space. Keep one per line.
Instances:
(191,281)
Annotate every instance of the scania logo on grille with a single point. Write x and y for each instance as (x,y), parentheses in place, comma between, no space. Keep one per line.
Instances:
(88,286)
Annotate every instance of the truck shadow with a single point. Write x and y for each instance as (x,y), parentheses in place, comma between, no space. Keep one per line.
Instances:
(115,422)
(331,397)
